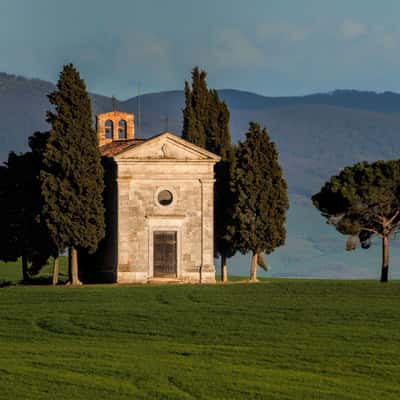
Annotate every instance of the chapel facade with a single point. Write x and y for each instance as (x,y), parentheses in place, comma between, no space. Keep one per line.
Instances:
(159,206)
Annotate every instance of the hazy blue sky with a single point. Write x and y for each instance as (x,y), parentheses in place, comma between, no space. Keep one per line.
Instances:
(270,47)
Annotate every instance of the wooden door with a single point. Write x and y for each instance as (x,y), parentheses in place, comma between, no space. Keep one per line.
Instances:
(165,254)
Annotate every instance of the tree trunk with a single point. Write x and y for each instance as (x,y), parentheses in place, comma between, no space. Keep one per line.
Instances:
(253,268)
(25,274)
(224,269)
(55,271)
(73,267)
(69,267)
(385,259)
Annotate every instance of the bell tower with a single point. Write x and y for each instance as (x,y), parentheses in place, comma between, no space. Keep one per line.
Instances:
(115,126)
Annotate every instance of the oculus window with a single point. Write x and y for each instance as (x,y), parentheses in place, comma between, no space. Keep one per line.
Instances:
(165,198)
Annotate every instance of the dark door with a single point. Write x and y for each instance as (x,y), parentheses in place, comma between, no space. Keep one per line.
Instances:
(165,254)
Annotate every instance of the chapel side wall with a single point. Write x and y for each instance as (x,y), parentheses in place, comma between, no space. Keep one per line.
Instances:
(101,267)
(208,269)
(190,215)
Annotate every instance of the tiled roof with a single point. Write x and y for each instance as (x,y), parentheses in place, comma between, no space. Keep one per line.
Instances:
(118,146)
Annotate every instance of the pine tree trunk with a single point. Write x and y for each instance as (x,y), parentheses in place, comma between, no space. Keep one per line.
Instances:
(224,269)
(253,268)
(55,271)
(73,267)
(25,274)
(385,259)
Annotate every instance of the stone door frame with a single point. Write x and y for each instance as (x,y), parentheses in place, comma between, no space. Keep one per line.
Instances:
(162,242)
(165,224)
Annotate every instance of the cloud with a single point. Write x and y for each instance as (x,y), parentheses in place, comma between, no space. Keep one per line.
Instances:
(352,29)
(387,39)
(282,30)
(231,48)
(144,48)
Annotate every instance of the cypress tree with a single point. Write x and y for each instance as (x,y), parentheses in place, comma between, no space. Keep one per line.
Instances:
(211,128)
(219,141)
(225,145)
(200,98)
(260,197)
(72,175)
(206,123)
(223,206)
(195,113)
(189,132)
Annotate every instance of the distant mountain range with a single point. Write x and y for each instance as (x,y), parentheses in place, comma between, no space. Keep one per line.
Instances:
(316,135)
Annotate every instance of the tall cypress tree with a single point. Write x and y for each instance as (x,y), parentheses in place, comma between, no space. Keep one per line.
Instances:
(225,145)
(219,141)
(223,206)
(195,113)
(72,176)
(211,128)
(189,132)
(206,123)
(260,197)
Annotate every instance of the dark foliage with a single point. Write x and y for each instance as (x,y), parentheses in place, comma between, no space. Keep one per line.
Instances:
(206,123)
(72,176)
(195,113)
(23,232)
(260,195)
(363,201)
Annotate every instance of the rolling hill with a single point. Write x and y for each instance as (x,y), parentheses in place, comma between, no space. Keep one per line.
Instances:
(316,135)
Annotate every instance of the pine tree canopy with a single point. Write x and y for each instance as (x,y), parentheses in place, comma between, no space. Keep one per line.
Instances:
(363,200)
(72,176)
(260,194)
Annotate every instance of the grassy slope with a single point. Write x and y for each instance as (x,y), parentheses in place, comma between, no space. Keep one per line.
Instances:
(278,340)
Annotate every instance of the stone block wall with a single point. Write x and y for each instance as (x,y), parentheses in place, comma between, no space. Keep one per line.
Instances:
(190,215)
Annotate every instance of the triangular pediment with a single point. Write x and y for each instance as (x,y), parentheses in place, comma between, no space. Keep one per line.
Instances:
(167,146)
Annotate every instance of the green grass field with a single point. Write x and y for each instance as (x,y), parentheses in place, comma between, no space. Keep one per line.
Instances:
(11,273)
(281,339)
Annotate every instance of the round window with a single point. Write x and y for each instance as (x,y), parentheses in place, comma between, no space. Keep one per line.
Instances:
(165,197)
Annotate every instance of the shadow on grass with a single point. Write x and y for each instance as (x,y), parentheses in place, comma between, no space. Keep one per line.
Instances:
(38,281)
(5,283)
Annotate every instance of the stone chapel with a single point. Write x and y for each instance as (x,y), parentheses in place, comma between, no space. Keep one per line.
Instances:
(159,206)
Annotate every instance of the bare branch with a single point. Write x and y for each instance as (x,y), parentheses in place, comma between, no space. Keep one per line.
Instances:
(393,218)
(375,232)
